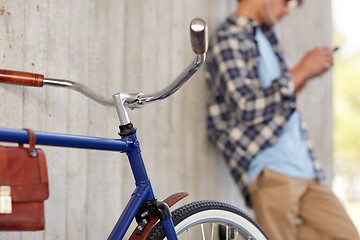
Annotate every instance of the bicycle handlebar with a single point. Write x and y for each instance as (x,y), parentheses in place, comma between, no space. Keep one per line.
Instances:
(38,80)
(199,43)
(81,89)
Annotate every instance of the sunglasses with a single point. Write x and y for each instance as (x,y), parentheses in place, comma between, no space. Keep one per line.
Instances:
(293,3)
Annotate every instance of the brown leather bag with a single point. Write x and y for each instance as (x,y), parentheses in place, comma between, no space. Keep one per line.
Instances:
(23,187)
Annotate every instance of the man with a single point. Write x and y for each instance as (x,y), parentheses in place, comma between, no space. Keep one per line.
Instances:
(253,120)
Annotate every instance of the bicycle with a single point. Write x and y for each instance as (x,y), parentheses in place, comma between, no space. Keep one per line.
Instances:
(155,221)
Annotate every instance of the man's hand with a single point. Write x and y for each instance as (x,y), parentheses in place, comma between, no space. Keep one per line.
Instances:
(314,64)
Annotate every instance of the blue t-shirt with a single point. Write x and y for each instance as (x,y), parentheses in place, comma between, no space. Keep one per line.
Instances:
(290,155)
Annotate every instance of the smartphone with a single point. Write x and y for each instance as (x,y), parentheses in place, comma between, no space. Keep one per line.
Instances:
(336,48)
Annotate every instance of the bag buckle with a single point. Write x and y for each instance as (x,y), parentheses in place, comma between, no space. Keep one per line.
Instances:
(5,200)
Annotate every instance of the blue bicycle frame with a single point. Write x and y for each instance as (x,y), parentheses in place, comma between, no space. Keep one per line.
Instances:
(129,145)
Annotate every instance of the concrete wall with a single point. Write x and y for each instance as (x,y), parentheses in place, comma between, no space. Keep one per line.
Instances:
(129,46)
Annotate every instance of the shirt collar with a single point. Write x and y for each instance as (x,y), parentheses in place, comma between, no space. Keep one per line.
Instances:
(245,24)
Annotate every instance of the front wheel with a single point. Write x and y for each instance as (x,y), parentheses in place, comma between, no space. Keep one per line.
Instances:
(211,220)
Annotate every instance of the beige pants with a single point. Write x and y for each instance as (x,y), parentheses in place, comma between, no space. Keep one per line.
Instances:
(280,202)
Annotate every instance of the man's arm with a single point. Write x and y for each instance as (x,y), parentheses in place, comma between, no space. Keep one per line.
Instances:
(315,63)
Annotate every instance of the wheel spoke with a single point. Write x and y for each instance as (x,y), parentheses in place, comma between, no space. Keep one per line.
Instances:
(203,232)
(227,232)
(212,230)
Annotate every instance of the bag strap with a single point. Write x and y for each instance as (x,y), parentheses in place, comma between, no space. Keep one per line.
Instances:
(32,142)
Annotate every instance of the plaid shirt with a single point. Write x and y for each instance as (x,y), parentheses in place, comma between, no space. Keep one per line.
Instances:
(244,118)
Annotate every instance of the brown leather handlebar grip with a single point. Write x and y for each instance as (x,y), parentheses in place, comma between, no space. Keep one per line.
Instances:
(199,36)
(21,78)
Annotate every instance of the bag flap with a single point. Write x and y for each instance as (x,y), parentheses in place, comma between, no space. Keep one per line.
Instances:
(27,176)
(30,193)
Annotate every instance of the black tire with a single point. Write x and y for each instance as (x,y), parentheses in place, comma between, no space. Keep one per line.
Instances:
(224,222)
